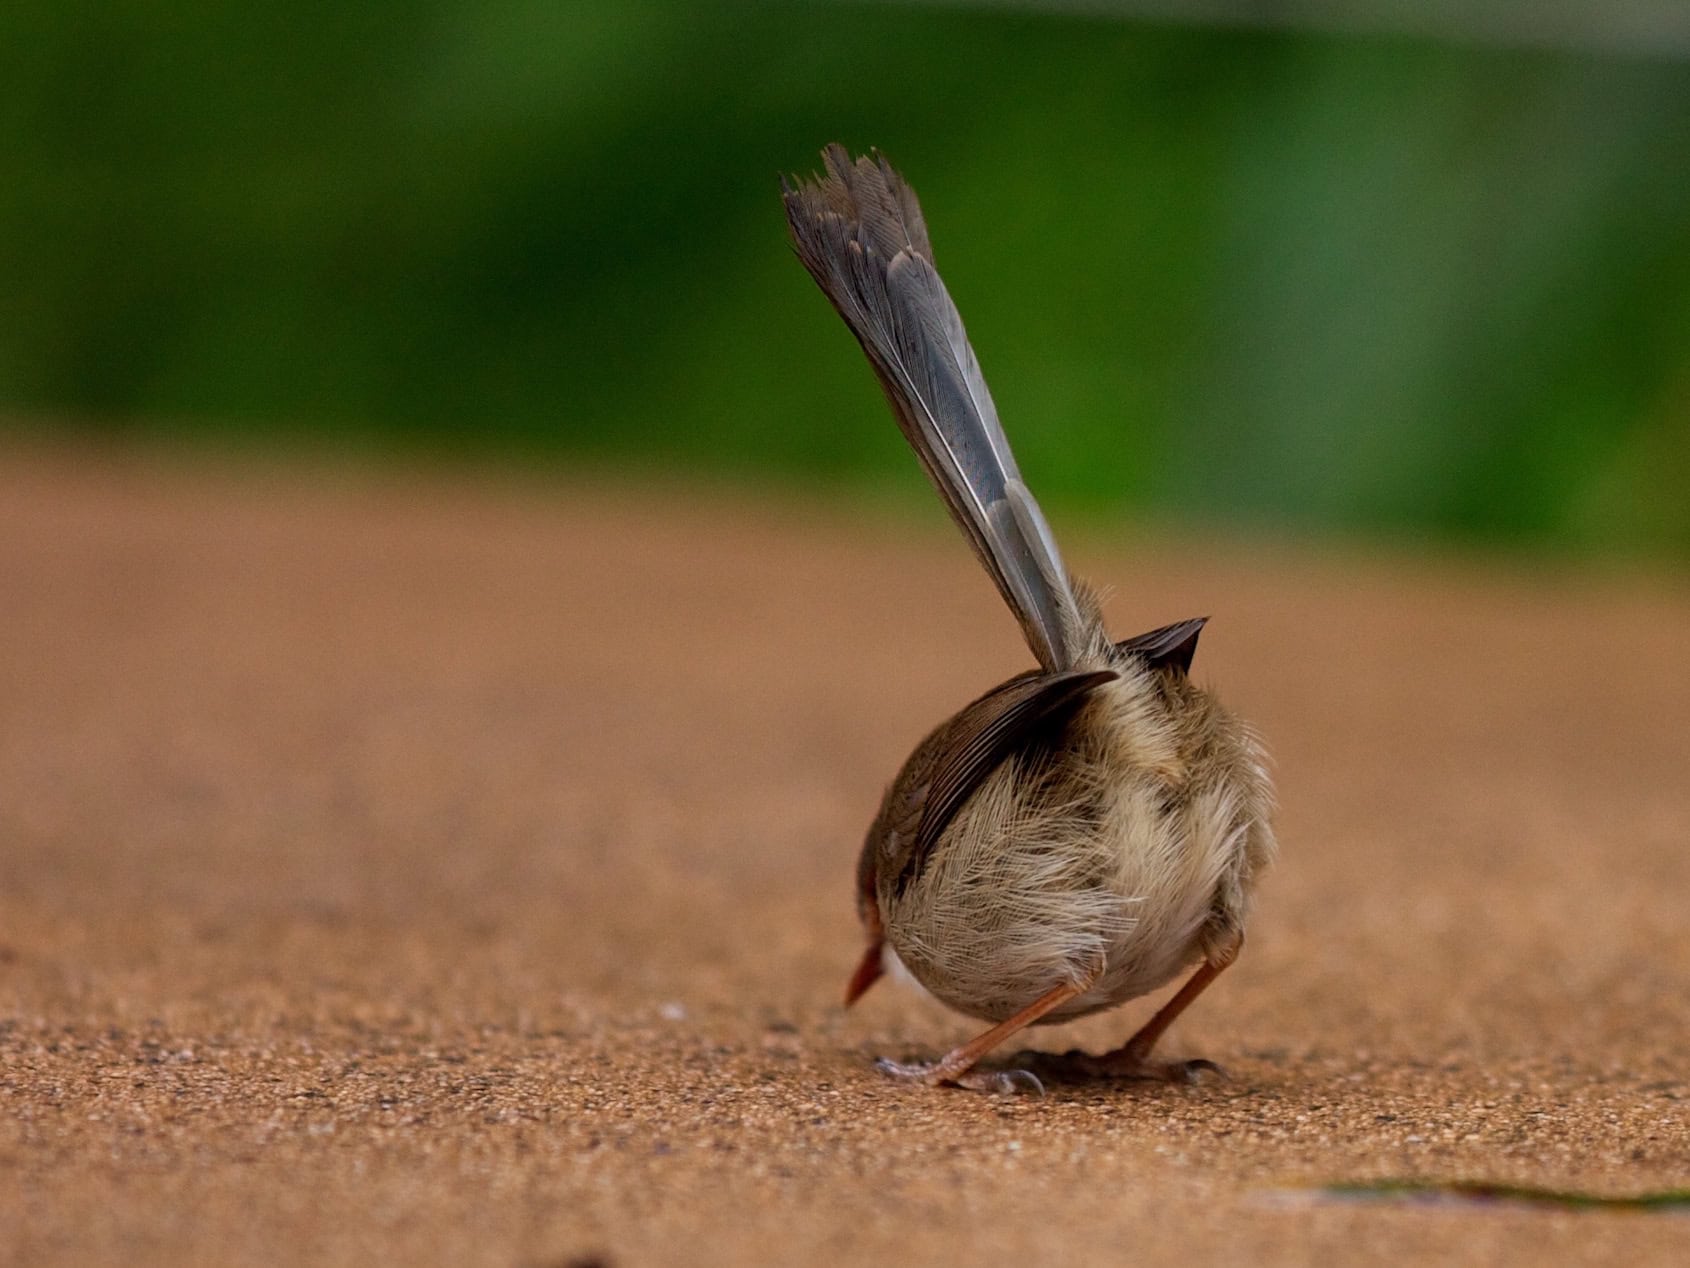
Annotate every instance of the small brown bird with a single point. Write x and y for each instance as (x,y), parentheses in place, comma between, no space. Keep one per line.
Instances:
(1082,833)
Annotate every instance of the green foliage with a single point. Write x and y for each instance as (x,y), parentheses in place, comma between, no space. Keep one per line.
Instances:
(1357,284)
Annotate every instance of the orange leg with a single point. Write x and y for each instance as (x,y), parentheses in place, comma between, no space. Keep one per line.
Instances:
(1132,1059)
(957,1065)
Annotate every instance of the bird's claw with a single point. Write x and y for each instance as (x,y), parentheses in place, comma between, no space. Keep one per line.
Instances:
(1001,1082)
(1194,1070)
(935,1073)
(1122,1064)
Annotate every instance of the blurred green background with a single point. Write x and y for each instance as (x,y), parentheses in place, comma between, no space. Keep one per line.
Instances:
(1290,280)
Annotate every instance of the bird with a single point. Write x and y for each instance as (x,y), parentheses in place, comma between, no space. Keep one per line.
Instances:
(1084,833)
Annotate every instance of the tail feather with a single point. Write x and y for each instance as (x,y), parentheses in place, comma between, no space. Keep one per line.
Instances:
(860,233)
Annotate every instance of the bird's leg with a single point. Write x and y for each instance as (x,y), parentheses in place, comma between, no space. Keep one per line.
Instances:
(1132,1059)
(957,1065)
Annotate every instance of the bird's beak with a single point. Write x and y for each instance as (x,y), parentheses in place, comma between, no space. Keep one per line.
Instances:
(869,969)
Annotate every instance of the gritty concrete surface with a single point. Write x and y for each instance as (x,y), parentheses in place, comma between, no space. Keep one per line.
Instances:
(439,871)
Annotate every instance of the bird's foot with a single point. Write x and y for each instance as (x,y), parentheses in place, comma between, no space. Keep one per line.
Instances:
(1123,1063)
(937,1073)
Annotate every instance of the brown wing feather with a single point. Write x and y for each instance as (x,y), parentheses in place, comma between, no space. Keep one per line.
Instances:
(981,737)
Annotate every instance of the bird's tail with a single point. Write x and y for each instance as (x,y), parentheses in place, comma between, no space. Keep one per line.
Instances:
(859,231)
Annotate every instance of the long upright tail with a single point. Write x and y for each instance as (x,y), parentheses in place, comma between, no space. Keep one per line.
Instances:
(860,233)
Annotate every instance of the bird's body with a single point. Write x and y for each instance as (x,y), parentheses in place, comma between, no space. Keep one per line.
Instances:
(1128,834)
(1080,834)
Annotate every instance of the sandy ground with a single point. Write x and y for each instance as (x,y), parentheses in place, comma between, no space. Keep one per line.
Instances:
(428,872)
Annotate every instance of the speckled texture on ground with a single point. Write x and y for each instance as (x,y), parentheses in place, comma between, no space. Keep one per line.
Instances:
(440,872)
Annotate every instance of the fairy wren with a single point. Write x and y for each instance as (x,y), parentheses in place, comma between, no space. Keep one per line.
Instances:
(1083,833)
